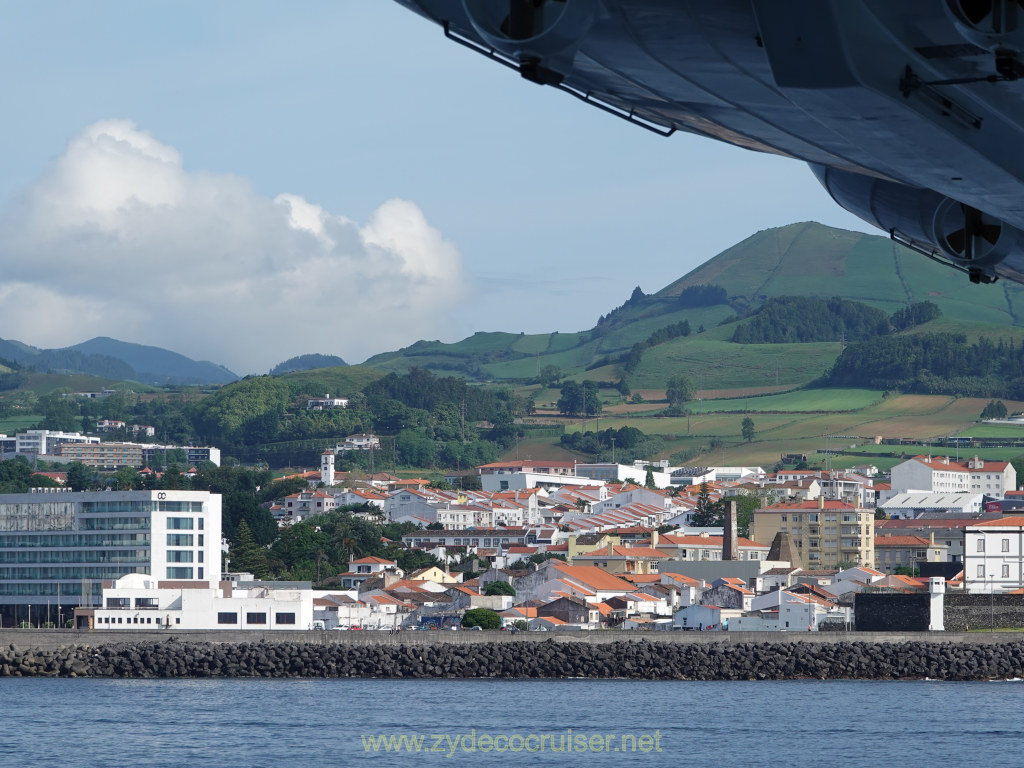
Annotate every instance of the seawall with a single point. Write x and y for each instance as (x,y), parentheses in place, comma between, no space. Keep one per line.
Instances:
(710,657)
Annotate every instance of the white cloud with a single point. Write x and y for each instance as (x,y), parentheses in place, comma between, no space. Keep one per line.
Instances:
(116,238)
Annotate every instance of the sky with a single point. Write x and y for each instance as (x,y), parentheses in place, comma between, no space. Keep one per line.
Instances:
(243,182)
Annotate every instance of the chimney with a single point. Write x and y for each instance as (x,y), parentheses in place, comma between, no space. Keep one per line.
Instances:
(821,502)
(611,548)
(730,547)
(654,539)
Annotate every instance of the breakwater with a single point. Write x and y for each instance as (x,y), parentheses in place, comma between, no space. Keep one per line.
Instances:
(640,660)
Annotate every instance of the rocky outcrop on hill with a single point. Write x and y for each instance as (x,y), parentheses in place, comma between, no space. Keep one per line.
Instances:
(630,660)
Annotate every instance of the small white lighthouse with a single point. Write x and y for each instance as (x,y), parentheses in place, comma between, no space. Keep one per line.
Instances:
(327,468)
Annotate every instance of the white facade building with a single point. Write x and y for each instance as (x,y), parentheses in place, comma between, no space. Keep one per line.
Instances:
(59,548)
(136,602)
(994,556)
(42,442)
(326,403)
(361,442)
(944,475)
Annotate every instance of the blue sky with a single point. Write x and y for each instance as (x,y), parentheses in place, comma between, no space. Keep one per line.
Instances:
(247,181)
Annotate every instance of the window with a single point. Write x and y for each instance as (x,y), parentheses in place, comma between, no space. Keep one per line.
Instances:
(179,523)
(255,618)
(200,573)
(284,618)
(200,523)
(200,539)
(226,617)
(981,545)
(981,570)
(179,539)
(179,556)
(119,602)
(1006,545)
(179,573)
(1006,571)
(200,556)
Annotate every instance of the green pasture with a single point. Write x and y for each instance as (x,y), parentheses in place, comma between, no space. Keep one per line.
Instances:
(993,430)
(11,424)
(717,364)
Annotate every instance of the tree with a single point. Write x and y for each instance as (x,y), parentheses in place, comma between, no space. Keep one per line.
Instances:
(247,556)
(747,428)
(549,375)
(79,477)
(707,512)
(571,401)
(484,618)
(649,481)
(995,409)
(499,588)
(679,389)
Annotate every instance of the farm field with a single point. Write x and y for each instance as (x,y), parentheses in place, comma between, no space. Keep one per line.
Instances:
(993,430)
(921,417)
(800,401)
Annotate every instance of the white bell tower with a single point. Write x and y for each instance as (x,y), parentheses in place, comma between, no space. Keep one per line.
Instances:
(327,468)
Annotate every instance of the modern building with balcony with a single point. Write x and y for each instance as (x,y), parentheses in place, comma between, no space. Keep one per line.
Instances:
(827,533)
(57,548)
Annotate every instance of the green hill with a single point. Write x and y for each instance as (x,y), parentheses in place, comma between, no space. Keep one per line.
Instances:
(805,259)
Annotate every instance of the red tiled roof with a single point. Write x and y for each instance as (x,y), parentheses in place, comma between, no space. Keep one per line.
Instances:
(1005,522)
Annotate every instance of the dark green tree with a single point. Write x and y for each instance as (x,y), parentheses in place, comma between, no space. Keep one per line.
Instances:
(484,618)
(247,556)
(499,588)
(747,428)
(680,389)
(995,409)
(79,476)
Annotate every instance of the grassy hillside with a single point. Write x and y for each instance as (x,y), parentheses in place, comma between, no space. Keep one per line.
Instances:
(805,259)
(341,381)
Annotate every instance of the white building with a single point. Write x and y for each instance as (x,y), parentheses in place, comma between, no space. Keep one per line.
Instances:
(327,468)
(633,473)
(59,548)
(907,506)
(136,601)
(994,556)
(326,403)
(42,442)
(361,442)
(944,475)
(304,504)
(521,481)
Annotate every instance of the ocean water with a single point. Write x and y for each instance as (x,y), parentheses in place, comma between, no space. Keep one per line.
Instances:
(285,723)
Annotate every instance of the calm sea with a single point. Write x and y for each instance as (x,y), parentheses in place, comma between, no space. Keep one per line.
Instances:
(285,723)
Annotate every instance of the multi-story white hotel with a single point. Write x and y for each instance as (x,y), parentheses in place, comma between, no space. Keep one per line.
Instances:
(59,548)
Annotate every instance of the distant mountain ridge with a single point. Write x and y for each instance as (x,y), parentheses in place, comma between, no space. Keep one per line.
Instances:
(121,360)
